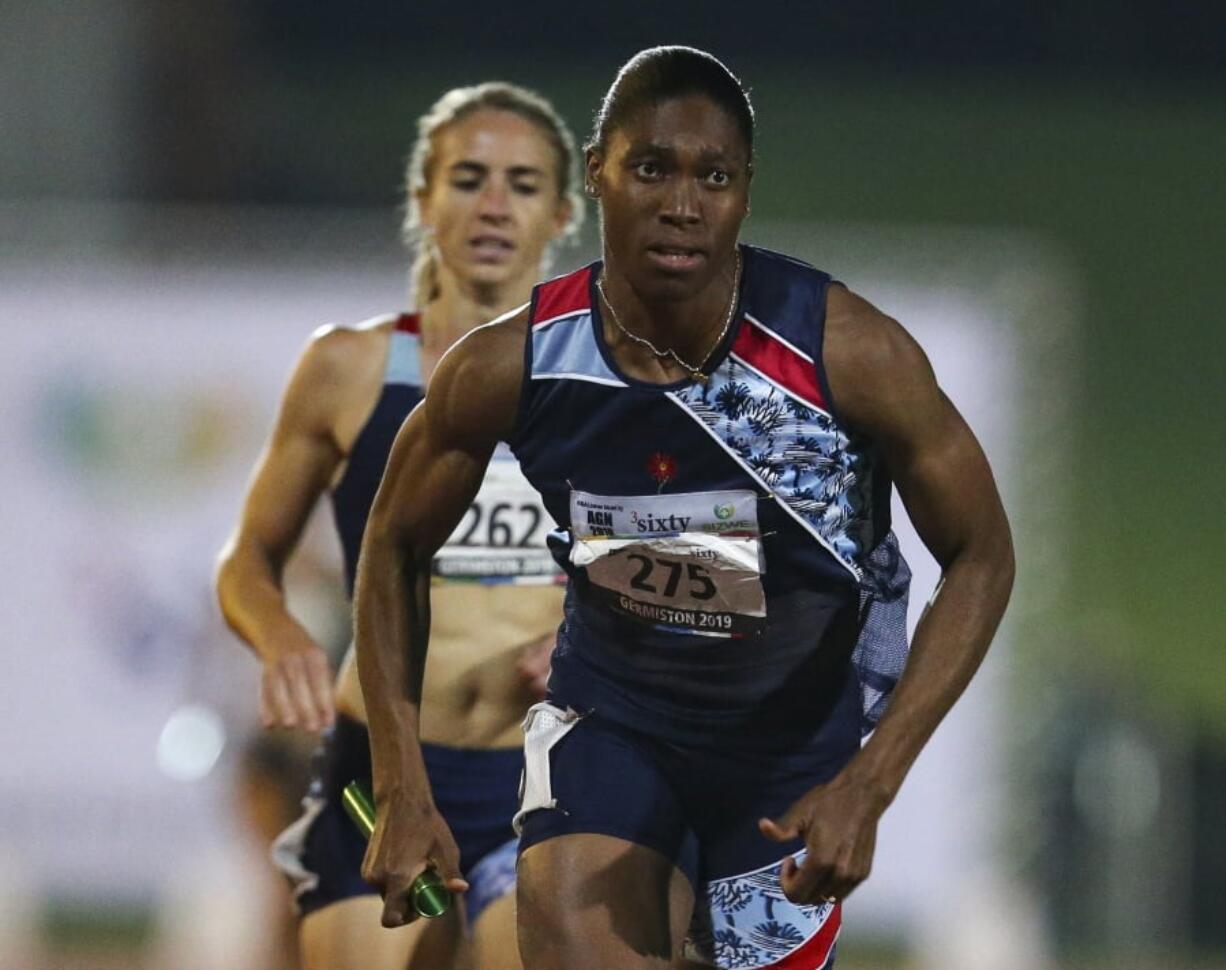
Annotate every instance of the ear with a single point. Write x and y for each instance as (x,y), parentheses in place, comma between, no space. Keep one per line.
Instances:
(593,169)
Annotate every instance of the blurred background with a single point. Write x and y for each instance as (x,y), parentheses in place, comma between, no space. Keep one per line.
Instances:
(187,190)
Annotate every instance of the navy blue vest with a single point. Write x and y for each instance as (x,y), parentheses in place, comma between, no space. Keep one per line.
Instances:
(354,494)
(764,423)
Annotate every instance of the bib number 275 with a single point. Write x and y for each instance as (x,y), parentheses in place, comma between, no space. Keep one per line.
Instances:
(698,581)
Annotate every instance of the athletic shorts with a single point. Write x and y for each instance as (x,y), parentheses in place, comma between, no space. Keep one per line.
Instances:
(476,792)
(699,807)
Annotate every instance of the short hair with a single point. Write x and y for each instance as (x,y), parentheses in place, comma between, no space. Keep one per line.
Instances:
(456,105)
(660,73)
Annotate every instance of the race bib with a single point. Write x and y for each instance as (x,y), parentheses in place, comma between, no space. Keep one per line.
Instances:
(688,563)
(501,538)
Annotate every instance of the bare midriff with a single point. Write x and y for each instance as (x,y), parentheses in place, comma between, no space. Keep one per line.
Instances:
(473,695)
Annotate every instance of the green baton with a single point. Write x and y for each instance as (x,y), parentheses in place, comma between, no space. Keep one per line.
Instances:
(429,896)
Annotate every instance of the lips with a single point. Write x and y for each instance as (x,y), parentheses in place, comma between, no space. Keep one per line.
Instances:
(676,259)
(490,248)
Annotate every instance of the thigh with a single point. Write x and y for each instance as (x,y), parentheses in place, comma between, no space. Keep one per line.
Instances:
(596,901)
(348,935)
(490,905)
(494,942)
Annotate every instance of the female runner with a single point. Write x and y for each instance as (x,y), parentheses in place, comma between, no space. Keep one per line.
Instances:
(491,184)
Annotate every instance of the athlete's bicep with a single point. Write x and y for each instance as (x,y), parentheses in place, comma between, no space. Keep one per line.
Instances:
(430,481)
(295,466)
(441,452)
(887,390)
(945,482)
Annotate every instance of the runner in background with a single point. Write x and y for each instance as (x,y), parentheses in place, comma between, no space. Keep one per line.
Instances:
(491,186)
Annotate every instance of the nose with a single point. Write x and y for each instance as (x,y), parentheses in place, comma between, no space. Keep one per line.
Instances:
(494,205)
(683,204)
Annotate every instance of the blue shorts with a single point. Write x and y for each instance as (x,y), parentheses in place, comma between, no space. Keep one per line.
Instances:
(699,807)
(476,791)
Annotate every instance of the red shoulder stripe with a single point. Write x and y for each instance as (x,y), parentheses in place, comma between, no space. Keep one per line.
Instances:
(756,346)
(409,323)
(565,295)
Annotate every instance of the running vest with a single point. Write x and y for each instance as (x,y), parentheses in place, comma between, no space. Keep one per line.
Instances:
(732,572)
(502,537)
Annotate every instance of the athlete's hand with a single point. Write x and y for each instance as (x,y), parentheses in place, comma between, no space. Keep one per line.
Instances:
(533,665)
(409,837)
(838,822)
(296,686)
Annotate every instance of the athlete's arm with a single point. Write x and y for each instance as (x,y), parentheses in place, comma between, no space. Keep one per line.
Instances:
(884,387)
(295,467)
(433,473)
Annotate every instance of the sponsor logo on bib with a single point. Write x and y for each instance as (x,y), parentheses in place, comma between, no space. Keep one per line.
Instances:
(686,563)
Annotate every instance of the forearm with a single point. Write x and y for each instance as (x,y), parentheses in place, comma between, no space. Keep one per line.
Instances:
(391,625)
(949,644)
(252,601)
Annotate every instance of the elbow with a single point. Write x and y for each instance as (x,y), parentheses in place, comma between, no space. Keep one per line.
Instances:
(385,565)
(242,565)
(378,549)
(1002,563)
(386,545)
(990,558)
(1007,570)
(224,577)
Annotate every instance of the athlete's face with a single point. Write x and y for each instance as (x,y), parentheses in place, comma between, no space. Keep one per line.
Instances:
(673,182)
(492,201)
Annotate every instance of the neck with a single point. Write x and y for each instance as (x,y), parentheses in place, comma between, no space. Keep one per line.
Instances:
(688,326)
(461,306)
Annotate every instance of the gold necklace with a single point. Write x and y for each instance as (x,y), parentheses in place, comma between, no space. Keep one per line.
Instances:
(696,373)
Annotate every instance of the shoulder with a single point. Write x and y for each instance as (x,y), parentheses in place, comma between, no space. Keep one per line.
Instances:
(562,296)
(872,363)
(337,369)
(784,282)
(773,260)
(336,350)
(475,388)
(785,294)
(490,342)
(865,341)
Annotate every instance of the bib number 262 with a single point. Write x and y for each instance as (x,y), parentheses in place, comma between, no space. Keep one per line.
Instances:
(503,526)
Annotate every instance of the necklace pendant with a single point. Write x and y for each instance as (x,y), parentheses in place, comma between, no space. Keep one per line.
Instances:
(668,353)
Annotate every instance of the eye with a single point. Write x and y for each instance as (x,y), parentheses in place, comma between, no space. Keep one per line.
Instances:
(719,177)
(466,184)
(650,171)
(525,188)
